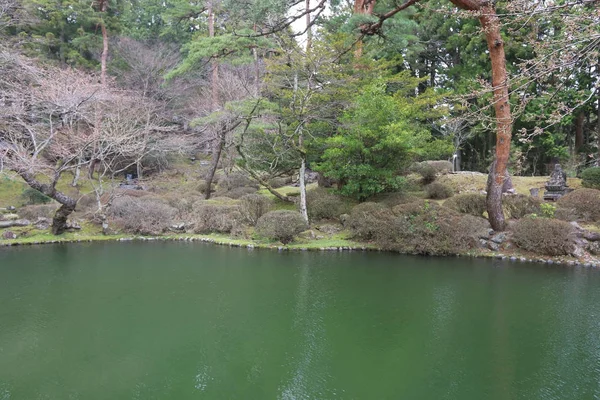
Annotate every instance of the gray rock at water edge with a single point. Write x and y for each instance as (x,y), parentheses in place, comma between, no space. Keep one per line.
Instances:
(18,222)
(42,223)
(483,243)
(73,225)
(578,252)
(499,238)
(594,248)
(513,259)
(493,246)
(9,235)
(177,227)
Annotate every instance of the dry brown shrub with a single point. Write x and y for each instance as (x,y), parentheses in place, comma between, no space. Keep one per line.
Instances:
(281,225)
(438,191)
(420,227)
(142,215)
(365,219)
(220,218)
(517,206)
(584,204)
(253,206)
(34,212)
(544,236)
(236,180)
(468,203)
(322,204)
(236,193)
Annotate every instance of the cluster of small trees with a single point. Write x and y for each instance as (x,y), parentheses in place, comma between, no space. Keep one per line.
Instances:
(232,79)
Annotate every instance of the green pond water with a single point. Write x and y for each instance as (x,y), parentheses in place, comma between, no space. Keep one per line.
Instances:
(194,321)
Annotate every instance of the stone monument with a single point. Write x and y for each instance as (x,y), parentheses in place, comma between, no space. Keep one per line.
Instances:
(556,185)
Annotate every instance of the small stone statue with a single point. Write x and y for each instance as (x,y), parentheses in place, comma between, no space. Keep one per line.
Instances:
(557,184)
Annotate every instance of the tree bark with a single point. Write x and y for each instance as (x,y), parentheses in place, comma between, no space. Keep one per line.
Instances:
(362,7)
(59,222)
(301,178)
(214,65)
(68,204)
(490,23)
(579,121)
(104,57)
(214,163)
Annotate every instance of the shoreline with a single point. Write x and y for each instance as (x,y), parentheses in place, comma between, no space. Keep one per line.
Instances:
(250,245)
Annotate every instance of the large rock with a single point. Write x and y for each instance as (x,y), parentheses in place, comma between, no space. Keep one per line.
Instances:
(17,222)
(9,235)
(42,223)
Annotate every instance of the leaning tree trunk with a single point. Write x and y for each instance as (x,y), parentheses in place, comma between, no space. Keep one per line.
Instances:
(214,163)
(68,204)
(59,222)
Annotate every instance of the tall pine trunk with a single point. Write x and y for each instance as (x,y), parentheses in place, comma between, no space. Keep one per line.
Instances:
(362,7)
(490,24)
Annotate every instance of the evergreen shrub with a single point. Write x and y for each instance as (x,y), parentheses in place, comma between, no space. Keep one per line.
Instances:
(590,178)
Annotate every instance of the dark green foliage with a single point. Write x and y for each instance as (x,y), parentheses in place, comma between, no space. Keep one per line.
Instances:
(582,204)
(31,196)
(468,203)
(280,225)
(517,206)
(420,227)
(322,204)
(219,218)
(590,178)
(544,236)
(252,207)
(438,191)
(383,133)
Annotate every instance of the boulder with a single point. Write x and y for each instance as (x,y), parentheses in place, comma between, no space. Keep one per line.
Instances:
(17,222)
(9,235)
(42,223)
(9,217)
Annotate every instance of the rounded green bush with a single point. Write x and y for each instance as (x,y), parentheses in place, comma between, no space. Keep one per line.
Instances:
(281,225)
(590,178)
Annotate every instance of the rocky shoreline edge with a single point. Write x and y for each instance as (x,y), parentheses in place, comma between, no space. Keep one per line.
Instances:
(253,246)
